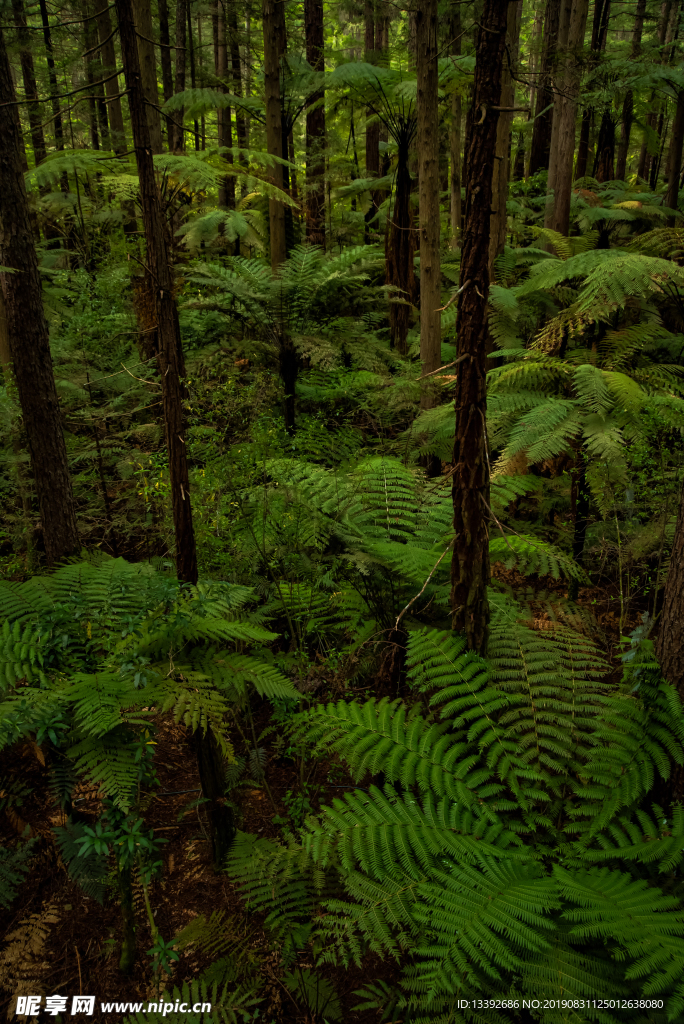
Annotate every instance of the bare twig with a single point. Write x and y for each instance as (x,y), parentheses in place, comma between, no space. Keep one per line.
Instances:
(432,572)
(453,297)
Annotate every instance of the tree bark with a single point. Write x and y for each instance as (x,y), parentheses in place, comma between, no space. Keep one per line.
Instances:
(455,138)
(669,645)
(372,123)
(545,100)
(148,70)
(226,196)
(178,137)
(315,127)
(236,68)
(502,157)
(109,64)
(628,102)
(274,47)
(167,73)
(30,87)
(169,349)
(674,158)
(399,249)
(604,162)
(428,192)
(29,338)
(212,780)
(57,127)
(644,155)
(470,569)
(573,20)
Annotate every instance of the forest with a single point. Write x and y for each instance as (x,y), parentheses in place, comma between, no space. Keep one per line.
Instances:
(342,518)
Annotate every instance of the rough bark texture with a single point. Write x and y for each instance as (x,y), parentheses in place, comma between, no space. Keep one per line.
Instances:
(148,69)
(572,24)
(29,78)
(108,54)
(628,102)
(29,338)
(502,157)
(165,53)
(315,128)
(428,193)
(455,139)
(470,569)
(273,16)
(177,143)
(674,159)
(543,111)
(169,349)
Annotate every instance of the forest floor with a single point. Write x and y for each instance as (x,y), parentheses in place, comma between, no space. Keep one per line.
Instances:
(56,940)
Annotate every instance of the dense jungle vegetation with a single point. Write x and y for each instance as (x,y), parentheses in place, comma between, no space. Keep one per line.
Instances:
(342,529)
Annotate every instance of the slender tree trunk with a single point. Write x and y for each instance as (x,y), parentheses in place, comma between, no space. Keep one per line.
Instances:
(93,74)
(193,77)
(236,68)
(372,123)
(573,20)
(212,780)
(315,127)
(502,160)
(29,338)
(148,68)
(274,47)
(399,251)
(670,642)
(181,59)
(169,348)
(29,79)
(455,138)
(674,159)
(470,570)
(167,73)
(644,155)
(599,34)
(109,65)
(428,192)
(226,196)
(127,958)
(628,102)
(57,127)
(545,100)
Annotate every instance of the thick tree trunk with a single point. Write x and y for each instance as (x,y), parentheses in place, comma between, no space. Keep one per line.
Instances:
(674,159)
(29,78)
(628,102)
(109,65)
(545,99)
(167,73)
(148,69)
(502,158)
(604,162)
(274,46)
(428,192)
(455,139)
(169,348)
(573,20)
(29,338)
(470,569)
(315,127)
(226,196)
(177,144)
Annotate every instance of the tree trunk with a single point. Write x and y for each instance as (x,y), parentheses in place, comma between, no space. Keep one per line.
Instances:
(274,47)
(127,958)
(226,196)
(455,139)
(57,128)
(212,780)
(99,130)
(148,70)
(191,54)
(315,127)
(178,139)
(470,569)
(399,250)
(583,143)
(502,159)
(109,65)
(545,100)
(674,159)
(628,102)
(669,645)
(167,74)
(169,348)
(599,35)
(29,338)
(428,193)
(372,123)
(644,155)
(573,20)
(604,162)
(29,79)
